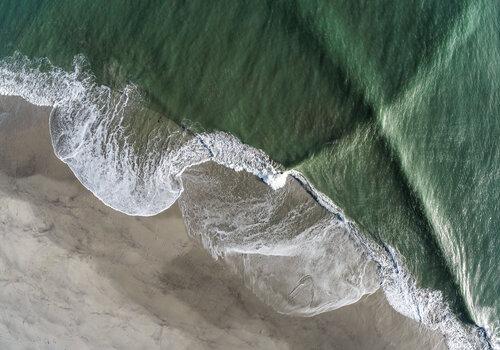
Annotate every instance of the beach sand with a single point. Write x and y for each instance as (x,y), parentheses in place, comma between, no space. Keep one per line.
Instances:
(75,274)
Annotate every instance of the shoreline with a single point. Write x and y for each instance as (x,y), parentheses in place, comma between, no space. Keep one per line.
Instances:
(353,317)
(145,196)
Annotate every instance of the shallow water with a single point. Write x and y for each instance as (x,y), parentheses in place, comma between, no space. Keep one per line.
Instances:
(391,110)
(76,273)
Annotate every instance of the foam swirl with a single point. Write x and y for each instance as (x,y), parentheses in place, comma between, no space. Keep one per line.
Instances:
(134,164)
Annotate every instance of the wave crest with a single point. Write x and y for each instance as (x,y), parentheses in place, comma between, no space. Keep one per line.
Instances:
(133,160)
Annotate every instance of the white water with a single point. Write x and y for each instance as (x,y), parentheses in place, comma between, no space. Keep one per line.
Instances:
(92,130)
(288,249)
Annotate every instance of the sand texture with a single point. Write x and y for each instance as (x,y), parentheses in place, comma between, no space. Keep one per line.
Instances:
(75,274)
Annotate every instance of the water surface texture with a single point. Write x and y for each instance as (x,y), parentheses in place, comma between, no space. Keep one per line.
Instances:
(391,109)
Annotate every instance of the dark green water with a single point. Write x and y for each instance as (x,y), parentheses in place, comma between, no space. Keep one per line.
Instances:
(392,108)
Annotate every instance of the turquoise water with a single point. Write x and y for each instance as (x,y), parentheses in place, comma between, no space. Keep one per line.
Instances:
(390,108)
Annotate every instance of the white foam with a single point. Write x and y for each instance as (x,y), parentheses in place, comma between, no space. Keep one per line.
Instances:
(423,305)
(91,130)
(291,252)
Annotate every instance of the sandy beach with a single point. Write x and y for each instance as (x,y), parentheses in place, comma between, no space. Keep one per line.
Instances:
(75,274)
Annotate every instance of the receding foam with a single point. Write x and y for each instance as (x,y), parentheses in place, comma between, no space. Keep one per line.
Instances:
(138,171)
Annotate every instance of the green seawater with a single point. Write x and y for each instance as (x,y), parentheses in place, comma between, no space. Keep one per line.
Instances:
(391,108)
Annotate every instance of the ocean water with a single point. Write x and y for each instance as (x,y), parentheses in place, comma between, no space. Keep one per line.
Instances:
(387,113)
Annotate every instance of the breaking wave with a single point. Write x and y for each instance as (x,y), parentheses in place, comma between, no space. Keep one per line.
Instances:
(301,258)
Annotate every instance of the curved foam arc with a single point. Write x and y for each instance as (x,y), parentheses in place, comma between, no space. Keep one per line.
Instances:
(291,252)
(89,133)
(91,130)
(424,305)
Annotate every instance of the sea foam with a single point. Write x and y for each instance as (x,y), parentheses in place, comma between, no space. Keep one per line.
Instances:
(138,171)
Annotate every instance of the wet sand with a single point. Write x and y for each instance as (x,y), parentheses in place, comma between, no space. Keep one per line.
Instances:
(77,274)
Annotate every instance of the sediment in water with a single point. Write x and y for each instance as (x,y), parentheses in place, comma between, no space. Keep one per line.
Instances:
(77,273)
(90,130)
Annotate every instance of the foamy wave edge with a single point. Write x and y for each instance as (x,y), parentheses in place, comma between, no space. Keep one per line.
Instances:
(88,118)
